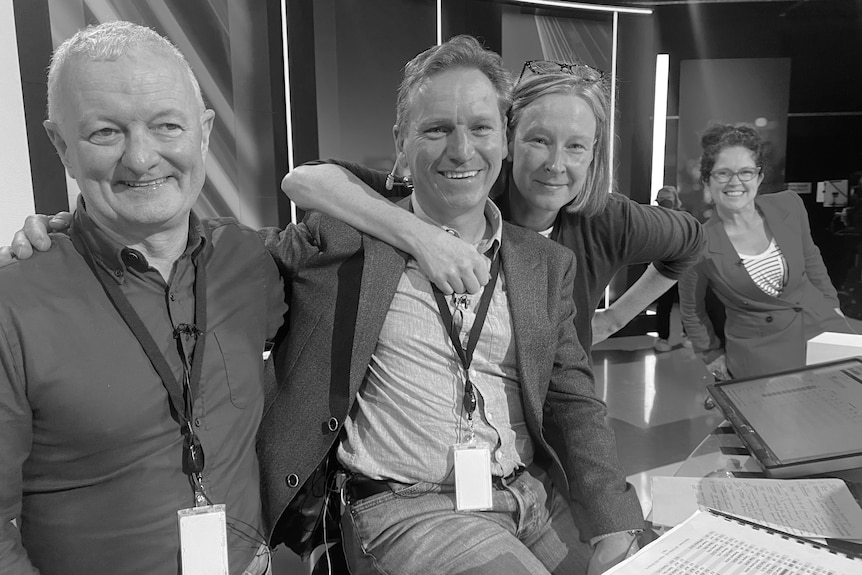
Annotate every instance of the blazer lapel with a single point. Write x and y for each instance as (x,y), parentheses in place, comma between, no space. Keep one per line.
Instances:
(527,292)
(381,273)
(787,238)
(728,264)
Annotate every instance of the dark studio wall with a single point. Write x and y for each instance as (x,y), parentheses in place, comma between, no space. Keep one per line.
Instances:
(823,40)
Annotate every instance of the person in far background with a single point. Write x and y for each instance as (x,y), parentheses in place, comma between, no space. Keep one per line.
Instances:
(668,198)
(761,262)
(556,181)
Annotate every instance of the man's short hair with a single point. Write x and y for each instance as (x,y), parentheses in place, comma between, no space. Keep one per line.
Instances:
(458,52)
(107,42)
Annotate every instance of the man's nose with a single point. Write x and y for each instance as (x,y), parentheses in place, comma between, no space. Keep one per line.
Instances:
(140,154)
(460,145)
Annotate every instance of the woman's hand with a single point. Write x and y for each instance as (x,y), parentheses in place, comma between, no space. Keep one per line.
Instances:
(604,325)
(718,368)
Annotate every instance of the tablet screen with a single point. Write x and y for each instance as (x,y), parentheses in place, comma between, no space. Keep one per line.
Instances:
(810,414)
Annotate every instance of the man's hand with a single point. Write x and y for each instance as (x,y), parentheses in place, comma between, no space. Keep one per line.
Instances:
(450,263)
(34,234)
(611,550)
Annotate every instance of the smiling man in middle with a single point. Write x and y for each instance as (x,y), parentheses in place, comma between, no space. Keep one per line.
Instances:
(436,407)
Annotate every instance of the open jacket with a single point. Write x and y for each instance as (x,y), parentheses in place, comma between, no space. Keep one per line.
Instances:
(341,283)
(764,333)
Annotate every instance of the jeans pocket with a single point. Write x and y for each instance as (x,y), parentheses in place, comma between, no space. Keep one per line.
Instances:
(373,515)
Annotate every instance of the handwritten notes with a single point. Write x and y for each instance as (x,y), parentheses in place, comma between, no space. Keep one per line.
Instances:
(706,544)
(803,507)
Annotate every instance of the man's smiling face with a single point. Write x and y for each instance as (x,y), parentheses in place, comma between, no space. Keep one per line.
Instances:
(454,142)
(134,136)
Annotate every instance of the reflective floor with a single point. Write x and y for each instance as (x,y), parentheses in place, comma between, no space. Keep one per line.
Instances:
(655,405)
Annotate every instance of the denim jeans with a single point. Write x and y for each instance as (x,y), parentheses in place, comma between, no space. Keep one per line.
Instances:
(415,529)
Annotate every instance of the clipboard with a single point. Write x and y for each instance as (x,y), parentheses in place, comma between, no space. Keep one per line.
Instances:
(800,422)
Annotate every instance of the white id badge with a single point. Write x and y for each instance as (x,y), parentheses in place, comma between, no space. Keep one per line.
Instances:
(203,540)
(472,476)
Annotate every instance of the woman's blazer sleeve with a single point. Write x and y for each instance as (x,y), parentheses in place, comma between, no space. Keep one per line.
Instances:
(815,269)
(692,309)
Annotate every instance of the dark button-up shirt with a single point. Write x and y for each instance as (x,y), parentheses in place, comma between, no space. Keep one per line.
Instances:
(90,455)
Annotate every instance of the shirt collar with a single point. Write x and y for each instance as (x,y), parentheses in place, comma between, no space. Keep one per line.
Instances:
(493,217)
(117,258)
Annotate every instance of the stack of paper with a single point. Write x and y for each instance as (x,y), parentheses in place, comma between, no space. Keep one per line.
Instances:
(821,508)
(708,544)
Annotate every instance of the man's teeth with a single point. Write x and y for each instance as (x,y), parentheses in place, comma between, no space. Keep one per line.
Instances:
(734,194)
(145,184)
(460,175)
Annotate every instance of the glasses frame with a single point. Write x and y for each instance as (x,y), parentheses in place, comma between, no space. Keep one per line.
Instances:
(564,67)
(757,171)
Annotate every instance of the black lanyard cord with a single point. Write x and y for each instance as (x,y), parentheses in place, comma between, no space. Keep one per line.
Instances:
(466,355)
(181,402)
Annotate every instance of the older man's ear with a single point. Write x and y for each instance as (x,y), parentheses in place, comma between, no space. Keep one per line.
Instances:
(55,134)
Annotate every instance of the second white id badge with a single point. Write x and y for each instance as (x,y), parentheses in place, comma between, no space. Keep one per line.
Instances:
(203,540)
(472,476)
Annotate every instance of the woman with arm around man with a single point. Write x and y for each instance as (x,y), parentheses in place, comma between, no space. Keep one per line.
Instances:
(762,264)
(556,181)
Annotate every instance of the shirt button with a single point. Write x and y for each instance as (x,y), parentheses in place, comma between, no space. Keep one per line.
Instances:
(769,319)
(292,480)
(118,273)
(197,421)
(173,296)
(333,424)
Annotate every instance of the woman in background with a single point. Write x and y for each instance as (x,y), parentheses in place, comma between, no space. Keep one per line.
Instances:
(761,262)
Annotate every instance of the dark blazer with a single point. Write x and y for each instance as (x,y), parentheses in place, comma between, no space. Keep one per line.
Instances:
(764,333)
(340,286)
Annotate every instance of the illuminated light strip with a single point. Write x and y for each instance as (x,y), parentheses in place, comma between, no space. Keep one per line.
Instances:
(613,102)
(612,128)
(659,124)
(288,119)
(582,6)
(439,22)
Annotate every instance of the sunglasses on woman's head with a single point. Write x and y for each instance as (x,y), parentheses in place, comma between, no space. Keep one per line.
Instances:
(581,71)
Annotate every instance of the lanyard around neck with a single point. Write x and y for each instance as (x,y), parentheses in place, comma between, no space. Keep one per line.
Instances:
(466,355)
(181,394)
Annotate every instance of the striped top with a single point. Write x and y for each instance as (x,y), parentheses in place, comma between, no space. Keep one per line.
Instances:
(768,270)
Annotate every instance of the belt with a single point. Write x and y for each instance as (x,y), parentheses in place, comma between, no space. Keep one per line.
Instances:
(502,482)
(361,487)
